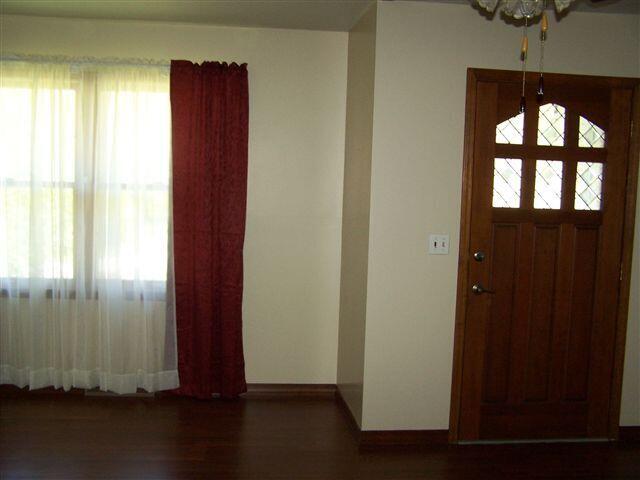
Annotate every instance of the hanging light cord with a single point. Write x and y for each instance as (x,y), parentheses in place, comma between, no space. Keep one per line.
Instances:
(543,38)
(523,55)
(544,25)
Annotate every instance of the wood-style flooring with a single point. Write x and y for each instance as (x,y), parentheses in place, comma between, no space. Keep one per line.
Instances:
(71,436)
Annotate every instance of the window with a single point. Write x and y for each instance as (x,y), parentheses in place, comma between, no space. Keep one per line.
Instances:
(84,173)
(507,182)
(511,131)
(551,119)
(588,186)
(550,162)
(590,135)
(548,186)
(37,175)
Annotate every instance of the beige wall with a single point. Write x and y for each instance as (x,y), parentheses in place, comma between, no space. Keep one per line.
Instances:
(630,414)
(296,154)
(355,210)
(422,53)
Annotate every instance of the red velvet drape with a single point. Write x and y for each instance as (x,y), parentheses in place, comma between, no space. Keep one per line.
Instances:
(210,114)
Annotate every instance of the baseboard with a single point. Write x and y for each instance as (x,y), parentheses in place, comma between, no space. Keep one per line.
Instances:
(354,428)
(403,438)
(100,393)
(13,391)
(371,439)
(254,390)
(295,390)
(7,390)
(629,434)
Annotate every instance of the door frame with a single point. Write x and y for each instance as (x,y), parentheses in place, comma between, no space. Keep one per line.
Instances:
(474,76)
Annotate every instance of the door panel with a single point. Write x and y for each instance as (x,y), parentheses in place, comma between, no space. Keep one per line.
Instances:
(547,204)
(580,317)
(537,367)
(497,353)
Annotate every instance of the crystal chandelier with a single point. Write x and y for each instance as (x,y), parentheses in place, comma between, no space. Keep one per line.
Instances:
(522,8)
(527,10)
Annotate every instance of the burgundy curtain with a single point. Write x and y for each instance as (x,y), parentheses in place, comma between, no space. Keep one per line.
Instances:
(209,113)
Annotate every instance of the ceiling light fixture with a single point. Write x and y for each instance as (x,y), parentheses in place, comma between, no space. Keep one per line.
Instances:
(527,10)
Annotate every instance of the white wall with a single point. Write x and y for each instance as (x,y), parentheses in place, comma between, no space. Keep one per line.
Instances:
(630,414)
(297,82)
(355,210)
(422,53)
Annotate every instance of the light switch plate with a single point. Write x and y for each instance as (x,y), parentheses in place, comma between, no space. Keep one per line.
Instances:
(439,244)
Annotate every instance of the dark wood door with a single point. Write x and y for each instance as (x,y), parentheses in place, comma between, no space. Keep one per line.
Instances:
(543,266)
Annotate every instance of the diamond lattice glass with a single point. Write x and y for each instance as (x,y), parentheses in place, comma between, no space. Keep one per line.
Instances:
(588,186)
(507,181)
(590,135)
(548,190)
(511,130)
(551,125)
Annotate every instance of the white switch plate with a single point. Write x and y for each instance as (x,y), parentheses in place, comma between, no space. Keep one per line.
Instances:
(439,244)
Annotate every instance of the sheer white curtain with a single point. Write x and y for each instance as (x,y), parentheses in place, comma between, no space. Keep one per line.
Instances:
(86,282)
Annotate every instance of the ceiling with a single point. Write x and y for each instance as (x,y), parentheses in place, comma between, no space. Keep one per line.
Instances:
(336,15)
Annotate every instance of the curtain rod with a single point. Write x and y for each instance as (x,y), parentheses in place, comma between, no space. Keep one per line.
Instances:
(80,61)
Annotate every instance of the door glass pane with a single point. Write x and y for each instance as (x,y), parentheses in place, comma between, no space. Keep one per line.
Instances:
(548,192)
(551,125)
(507,180)
(511,131)
(590,135)
(588,186)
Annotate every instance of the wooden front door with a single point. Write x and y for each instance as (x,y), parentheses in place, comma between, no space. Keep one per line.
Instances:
(540,274)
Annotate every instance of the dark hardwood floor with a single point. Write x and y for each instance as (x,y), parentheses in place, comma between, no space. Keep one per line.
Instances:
(70,436)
